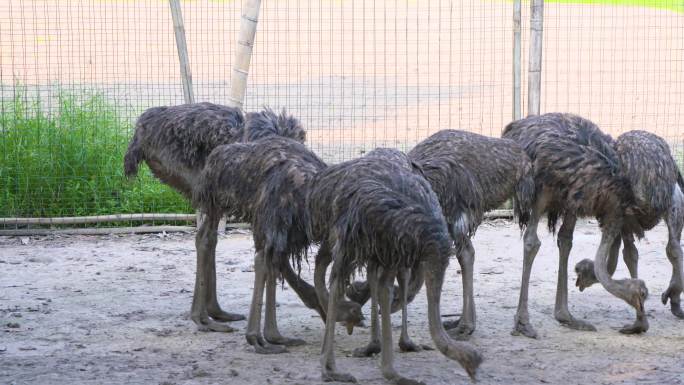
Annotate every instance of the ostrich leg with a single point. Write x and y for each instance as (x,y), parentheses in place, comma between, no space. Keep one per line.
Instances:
(465,326)
(253,336)
(213,307)
(205,243)
(675,222)
(531,247)
(630,254)
(329,371)
(385,286)
(373,346)
(271,332)
(632,291)
(561,311)
(405,343)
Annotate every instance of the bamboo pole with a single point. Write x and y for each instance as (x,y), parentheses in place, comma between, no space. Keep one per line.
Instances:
(182,48)
(517,58)
(535,66)
(243,54)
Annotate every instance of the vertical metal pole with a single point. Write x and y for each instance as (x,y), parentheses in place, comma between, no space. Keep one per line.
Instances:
(534,76)
(243,55)
(517,58)
(182,47)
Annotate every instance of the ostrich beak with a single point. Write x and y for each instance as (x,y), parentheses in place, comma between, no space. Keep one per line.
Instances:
(350,328)
(579,284)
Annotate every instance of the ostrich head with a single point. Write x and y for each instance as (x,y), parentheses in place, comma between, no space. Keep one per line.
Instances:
(266,123)
(585,274)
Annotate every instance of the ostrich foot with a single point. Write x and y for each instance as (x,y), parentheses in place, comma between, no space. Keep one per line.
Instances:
(369,350)
(263,347)
(222,316)
(453,324)
(206,324)
(523,328)
(407,381)
(333,376)
(395,378)
(277,339)
(462,332)
(675,306)
(639,326)
(409,346)
(573,323)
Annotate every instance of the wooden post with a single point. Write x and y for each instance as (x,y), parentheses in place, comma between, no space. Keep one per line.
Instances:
(517,54)
(243,54)
(535,66)
(186,74)
(182,47)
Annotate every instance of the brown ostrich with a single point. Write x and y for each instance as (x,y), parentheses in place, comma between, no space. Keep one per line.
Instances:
(657,184)
(471,174)
(577,174)
(374,213)
(262,182)
(175,143)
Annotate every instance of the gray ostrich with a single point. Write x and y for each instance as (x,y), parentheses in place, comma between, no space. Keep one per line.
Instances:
(471,174)
(262,182)
(175,143)
(577,174)
(657,184)
(374,213)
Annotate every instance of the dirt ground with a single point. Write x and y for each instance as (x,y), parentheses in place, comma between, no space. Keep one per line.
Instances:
(114,309)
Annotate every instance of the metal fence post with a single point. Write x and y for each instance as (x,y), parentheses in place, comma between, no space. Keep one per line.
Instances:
(534,75)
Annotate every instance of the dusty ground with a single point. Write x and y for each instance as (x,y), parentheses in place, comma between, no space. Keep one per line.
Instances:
(114,309)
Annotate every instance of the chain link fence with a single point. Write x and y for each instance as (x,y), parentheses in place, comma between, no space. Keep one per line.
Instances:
(75,74)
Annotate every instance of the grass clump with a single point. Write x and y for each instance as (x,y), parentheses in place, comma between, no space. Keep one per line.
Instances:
(69,162)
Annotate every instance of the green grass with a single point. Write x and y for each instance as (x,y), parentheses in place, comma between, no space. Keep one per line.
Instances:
(69,162)
(672,5)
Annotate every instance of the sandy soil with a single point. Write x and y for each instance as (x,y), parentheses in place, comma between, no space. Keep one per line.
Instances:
(114,309)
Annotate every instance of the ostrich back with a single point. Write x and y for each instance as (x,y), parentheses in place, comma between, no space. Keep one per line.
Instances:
(264,183)
(576,167)
(185,135)
(470,173)
(652,172)
(176,141)
(374,210)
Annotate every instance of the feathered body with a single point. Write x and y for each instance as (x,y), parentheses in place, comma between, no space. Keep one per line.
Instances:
(375,209)
(263,182)
(472,174)
(378,212)
(575,166)
(652,174)
(176,141)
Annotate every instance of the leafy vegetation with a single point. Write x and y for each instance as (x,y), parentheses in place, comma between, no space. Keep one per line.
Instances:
(68,162)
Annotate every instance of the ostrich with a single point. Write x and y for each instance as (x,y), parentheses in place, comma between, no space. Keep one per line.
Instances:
(373,212)
(262,182)
(577,174)
(657,184)
(175,143)
(471,174)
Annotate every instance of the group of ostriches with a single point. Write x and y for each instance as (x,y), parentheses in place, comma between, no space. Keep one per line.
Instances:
(401,216)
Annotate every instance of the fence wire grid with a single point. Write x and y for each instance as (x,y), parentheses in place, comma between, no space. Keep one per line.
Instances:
(75,74)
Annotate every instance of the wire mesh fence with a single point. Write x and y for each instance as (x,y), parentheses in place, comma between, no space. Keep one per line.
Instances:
(75,74)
